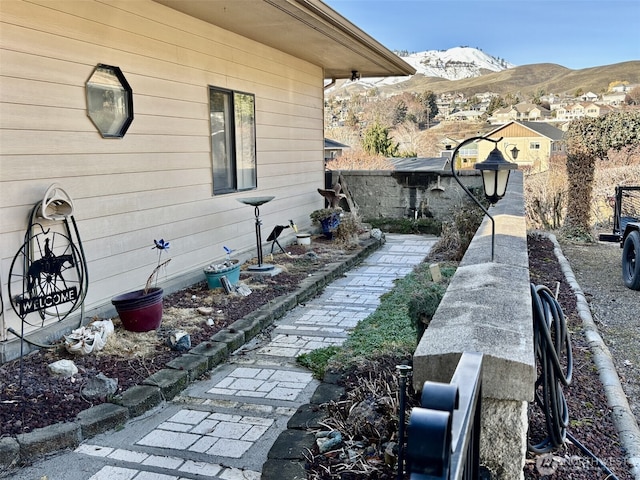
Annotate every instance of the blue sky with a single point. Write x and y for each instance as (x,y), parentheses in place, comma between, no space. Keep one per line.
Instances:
(573,33)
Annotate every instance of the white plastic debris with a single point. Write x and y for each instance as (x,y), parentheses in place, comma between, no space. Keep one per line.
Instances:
(243,290)
(88,339)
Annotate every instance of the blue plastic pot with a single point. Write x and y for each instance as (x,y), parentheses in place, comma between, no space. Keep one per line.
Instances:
(329,224)
(232,273)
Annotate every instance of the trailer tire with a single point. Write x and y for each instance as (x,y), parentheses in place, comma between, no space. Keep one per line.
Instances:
(631,261)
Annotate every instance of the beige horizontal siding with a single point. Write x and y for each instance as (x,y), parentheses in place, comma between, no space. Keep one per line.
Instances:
(156,182)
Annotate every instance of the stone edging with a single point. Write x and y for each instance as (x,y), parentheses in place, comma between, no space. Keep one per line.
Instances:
(623,418)
(168,382)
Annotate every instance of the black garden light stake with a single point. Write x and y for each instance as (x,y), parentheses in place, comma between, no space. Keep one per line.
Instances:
(495,177)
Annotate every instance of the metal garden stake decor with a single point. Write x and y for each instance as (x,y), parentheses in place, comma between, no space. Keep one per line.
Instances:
(48,275)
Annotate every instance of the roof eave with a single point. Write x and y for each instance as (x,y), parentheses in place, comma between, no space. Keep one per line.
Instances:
(306,29)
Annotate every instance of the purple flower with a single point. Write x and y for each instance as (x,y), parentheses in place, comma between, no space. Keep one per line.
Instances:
(161,244)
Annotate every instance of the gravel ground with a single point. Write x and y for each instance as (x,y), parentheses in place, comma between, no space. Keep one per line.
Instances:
(614,308)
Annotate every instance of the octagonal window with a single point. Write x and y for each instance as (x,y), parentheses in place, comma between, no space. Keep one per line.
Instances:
(109,101)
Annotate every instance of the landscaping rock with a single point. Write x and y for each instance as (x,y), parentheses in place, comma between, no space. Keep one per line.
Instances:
(100,386)
(63,368)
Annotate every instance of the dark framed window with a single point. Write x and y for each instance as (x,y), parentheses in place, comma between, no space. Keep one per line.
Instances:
(233,140)
(109,101)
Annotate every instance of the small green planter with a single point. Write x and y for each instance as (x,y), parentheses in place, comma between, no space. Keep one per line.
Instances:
(232,273)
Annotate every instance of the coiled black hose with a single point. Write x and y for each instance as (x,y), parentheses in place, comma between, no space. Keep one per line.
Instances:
(551,341)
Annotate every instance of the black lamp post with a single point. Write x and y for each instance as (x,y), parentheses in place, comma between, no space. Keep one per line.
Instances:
(495,177)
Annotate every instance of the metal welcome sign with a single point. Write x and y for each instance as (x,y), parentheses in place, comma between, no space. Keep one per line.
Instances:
(48,275)
(45,285)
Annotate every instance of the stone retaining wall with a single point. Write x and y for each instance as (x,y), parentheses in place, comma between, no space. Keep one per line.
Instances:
(397,194)
(487,309)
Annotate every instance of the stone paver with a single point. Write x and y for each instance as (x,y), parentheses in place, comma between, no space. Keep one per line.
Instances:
(223,427)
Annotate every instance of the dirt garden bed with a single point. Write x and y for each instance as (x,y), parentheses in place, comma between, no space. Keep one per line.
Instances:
(31,398)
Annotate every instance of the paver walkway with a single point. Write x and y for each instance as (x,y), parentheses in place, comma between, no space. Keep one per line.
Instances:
(224,426)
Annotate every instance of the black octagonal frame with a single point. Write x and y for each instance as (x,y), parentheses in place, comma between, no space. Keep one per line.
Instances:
(109,101)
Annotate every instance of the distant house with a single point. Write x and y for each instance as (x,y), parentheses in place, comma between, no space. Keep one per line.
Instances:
(522,112)
(614,98)
(448,143)
(624,88)
(333,149)
(467,156)
(589,97)
(216,101)
(464,116)
(536,142)
(582,109)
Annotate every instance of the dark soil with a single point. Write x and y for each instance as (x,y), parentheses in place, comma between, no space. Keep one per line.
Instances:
(589,416)
(30,397)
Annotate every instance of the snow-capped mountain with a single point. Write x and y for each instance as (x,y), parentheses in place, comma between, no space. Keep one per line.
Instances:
(453,64)
(456,63)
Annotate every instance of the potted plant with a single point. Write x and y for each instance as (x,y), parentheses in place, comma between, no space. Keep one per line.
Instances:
(229,269)
(328,218)
(141,310)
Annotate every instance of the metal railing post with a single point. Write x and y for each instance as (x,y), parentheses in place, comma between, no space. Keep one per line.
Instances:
(444,433)
(404,371)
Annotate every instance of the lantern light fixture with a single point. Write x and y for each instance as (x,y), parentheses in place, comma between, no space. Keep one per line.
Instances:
(495,172)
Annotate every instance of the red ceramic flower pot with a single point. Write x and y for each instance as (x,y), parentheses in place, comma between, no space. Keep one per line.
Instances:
(140,312)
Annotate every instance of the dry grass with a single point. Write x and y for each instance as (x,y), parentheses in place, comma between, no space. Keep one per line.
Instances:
(126,344)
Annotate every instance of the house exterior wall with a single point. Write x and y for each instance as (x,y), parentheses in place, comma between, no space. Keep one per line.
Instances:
(156,182)
(523,138)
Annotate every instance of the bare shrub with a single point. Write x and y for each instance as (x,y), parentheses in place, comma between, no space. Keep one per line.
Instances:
(457,234)
(546,192)
(346,135)
(545,195)
(359,160)
(349,229)
(409,137)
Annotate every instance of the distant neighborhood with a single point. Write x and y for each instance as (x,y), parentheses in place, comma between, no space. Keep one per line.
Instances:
(551,108)
(556,109)
(426,125)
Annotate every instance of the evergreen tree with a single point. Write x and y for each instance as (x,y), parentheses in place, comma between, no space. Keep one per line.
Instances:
(377,141)
(352,119)
(428,100)
(496,103)
(537,97)
(399,112)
